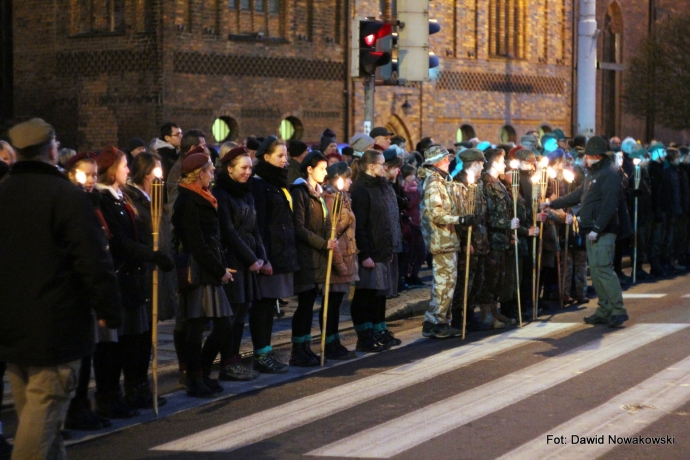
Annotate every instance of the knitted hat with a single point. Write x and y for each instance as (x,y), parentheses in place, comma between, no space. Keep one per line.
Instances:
(328,132)
(596,146)
(107,158)
(434,154)
(325,142)
(470,155)
(361,142)
(297,148)
(194,161)
(261,151)
(134,143)
(30,133)
(78,157)
(234,153)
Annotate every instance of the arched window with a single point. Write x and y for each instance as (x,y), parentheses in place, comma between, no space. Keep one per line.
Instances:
(225,129)
(508,134)
(291,129)
(507,28)
(465,133)
(544,129)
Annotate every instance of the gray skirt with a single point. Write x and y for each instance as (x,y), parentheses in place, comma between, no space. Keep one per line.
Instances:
(205,302)
(375,278)
(275,286)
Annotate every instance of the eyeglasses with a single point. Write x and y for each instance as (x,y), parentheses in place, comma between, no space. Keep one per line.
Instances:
(177,134)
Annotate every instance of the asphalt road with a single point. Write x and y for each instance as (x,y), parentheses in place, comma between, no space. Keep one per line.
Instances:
(556,388)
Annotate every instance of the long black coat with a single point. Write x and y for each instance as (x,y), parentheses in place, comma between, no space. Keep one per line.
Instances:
(274,220)
(373,232)
(312,228)
(240,238)
(196,227)
(671,189)
(54,268)
(130,248)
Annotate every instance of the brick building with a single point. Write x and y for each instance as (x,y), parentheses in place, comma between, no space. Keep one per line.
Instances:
(103,71)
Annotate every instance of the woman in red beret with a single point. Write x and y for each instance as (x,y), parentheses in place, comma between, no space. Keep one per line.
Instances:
(196,226)
(125,350)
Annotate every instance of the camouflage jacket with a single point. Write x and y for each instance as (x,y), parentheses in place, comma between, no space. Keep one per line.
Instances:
(499,210)
(480,238)
(438,218)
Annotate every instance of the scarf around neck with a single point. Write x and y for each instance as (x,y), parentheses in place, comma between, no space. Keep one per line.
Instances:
(204,192)
(274,175)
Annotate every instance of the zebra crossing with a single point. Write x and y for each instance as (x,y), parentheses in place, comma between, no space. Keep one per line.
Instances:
(655,397)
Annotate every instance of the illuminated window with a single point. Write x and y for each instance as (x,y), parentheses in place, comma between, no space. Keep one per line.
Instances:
(225,129)
(465,133)
(291,129)
(508,134)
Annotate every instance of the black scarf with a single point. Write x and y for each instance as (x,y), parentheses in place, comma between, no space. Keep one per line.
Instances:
(273,175)
(234,188)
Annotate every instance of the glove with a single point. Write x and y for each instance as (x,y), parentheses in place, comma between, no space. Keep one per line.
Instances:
(163,261)
(467,220)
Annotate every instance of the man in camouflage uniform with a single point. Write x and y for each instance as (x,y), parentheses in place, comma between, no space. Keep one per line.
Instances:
(439,218)
(473,162)
(499,207)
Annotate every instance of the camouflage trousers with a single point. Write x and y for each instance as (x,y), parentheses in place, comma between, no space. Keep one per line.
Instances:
(475,283)
(507,286)
(494,276)
(442,287)
(575,269)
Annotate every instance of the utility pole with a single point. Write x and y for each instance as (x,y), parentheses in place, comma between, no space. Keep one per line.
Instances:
(587,68)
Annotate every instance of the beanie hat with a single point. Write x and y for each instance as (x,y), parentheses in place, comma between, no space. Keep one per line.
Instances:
(107,158)
(325,142)
(234,153)
(596,146)
(434,154)
(361,142)
(297,148)
(194,161)
(328,132)
(261,151)
(134,143)
(30,133)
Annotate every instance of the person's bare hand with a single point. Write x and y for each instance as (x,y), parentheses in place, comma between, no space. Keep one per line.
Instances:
(541,217)
(368,263)
(592,236)
(267,269)
(534,231)
(568,219)
(332,244)
(255,267)
(102,323)
(515,223)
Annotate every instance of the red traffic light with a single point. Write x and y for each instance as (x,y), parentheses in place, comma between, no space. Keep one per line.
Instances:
(370,40)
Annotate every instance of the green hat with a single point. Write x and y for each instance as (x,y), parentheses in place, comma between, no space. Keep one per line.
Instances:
(657,146)
(640,154)
(30,133)
(470,155)
(525,155)
(596,146)
(434,154)
(560,135)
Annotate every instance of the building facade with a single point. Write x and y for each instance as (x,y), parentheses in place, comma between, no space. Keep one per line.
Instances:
(102,71)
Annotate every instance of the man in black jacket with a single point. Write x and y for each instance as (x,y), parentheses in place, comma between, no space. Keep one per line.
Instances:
(54,268)
(599,195)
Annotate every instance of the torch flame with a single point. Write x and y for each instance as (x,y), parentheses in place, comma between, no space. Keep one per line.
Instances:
(636,161)
(470,178)
(340,184)
(568,175)
(514,164)
(552,173)
(544,162)
(536,178)
(80,176)
(158,172)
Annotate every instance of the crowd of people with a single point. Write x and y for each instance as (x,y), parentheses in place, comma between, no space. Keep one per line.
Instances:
(246,226)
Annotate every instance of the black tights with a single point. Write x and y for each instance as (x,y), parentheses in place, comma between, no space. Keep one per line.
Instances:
(217,341)
(261,322)
(361,307)
(235,337)
(304,315)
(129,356)
(335,299)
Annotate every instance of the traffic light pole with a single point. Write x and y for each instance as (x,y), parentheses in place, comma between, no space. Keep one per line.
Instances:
(369,85)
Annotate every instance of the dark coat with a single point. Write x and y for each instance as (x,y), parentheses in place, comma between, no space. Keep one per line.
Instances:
(130,247)
(274,220)
(373,232)
(626,225)
(54,269)
(644,199)
(195,223)
(657,178)
(671,190)
(240,239)
(169,157)
(599,195)
(312,229)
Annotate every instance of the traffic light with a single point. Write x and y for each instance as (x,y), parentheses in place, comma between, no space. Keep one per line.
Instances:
(414,57)
(366,53)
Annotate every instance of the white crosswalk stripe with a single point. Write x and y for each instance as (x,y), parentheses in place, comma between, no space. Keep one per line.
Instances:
(627,295)
(621,417)
(408,431)
(280,419)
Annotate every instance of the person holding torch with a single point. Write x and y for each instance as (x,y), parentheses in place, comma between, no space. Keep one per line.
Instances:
(599,195)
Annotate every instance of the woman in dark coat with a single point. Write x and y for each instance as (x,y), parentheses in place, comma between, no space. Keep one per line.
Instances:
(375,243)
(273,204)
(126,350)
(312,228)
(243,251)
(196,226)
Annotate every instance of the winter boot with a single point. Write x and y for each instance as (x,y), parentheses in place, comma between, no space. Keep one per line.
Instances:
(487,318)
(300,358)
(112,405)
(196,388)
(336,350)
(367,343)
(499,316)
(81,417)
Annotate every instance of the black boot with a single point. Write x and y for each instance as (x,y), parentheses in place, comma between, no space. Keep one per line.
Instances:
(81,417)
(300,358)
(196,388)
(336,350)
(112,405)
(367,343)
